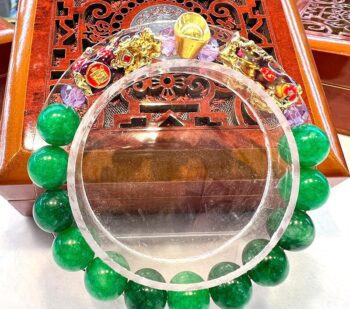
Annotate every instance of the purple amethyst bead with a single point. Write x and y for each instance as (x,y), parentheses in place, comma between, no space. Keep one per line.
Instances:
(168,46)
(167,37)
(210,51)
(72,96)
(296,114)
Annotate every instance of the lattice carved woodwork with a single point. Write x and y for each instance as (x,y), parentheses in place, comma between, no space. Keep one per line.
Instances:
(199,103)
(81,24)
(328,17)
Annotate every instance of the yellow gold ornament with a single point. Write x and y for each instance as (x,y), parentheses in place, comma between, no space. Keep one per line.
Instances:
(82,84)
(137,51)
(243,55)
(192,33)
(247,57)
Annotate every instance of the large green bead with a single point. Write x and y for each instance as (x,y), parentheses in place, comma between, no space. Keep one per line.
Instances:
(272,270)
(300,232)
(199,299)
(312,143)
(47,167)
(138,296)
(313,189)
(233,294)
(71,251)
(57,124)
(52,212)
(102,282)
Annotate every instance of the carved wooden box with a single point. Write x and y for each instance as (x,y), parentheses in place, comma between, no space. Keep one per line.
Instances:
(327,25)
(52,33)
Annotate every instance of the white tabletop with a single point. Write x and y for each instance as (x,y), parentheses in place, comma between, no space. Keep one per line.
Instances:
(319,276)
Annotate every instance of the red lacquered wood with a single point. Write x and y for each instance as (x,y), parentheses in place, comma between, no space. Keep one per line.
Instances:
(6,36)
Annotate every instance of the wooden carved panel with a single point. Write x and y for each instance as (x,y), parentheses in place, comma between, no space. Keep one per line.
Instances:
(199,103)
(327,25)
(331,17)
(79,24)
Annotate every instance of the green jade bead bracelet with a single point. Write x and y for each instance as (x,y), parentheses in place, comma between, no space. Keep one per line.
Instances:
(47,168)
(70,251)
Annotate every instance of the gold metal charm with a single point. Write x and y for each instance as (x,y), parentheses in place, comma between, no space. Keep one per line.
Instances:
(137,51)
(98,75)
(192,33)
(82,84)
(243,55)
(247,57)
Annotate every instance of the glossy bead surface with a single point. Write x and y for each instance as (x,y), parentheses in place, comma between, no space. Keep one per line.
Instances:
(52,212)
(102,282)
(312,143)
(314,189)
(47,167)
(233,294)
(70,250)
(198,299)
(138,296)
(272,270)
(300,232)
(57,124)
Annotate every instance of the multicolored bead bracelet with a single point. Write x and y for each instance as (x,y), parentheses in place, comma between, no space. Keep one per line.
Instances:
(57,124)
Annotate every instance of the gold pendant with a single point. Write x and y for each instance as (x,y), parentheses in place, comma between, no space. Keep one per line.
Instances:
(137,51)
(192,33)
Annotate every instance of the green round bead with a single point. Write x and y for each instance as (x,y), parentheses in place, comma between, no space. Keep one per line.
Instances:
(52,212)
(198,299)
(314,189)
(138,296)
(233,294)
(300,232)
(312,143)
(47,167)
(102,282)
(70,250)
(57,124)
(272,270)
